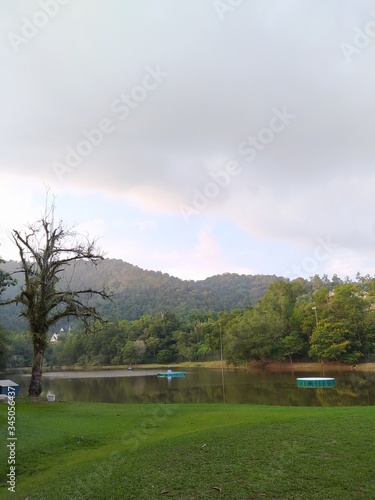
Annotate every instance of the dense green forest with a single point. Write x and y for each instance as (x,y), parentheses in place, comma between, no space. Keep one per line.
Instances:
(316,319)
(136,292)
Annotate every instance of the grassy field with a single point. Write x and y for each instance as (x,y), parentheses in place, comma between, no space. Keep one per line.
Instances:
(195,451)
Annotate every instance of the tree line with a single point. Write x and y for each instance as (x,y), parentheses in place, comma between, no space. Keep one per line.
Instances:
(291,322)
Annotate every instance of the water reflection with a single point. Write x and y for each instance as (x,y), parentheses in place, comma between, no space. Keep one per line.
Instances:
(206,386)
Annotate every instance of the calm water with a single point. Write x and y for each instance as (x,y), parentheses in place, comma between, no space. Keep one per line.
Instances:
(202,385)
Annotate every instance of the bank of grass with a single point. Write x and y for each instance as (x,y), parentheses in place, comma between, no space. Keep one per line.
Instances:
(121,451)
(283,366)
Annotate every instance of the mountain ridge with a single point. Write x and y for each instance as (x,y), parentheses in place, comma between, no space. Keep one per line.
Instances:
(137,291)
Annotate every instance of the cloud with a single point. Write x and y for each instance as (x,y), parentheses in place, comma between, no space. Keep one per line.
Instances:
(221,87)
(205,256)
(144,225)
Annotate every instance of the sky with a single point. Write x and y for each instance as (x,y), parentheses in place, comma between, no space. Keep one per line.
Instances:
(194,137)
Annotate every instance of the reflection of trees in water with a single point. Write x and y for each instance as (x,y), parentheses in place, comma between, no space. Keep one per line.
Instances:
(333,397)
(106,390)
(364,387)
(370,376)
(356,390)
(205,385)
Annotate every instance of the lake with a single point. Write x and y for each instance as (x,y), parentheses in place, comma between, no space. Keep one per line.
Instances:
(205,385)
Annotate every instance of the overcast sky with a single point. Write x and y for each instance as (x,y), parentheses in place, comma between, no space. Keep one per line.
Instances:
(194,137)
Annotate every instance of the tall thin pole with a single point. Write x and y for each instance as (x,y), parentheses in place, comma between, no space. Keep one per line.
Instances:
(316,315)
(221,362)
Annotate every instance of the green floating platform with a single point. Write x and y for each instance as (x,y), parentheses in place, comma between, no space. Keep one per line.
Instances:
(172,374)
(315,382)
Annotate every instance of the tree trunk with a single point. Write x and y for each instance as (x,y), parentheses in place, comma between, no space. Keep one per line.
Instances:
(35,387)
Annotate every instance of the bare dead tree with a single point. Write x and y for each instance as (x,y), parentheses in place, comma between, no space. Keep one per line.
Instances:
(46,250)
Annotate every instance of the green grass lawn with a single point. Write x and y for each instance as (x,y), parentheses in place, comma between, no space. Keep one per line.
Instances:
(120,451)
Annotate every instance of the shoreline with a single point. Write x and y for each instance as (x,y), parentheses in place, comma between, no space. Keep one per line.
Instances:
(273,366)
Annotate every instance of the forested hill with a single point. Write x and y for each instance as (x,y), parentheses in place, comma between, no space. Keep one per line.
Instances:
(137,291)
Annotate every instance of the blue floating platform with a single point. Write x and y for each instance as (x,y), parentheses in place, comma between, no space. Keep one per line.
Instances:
(316,382)
(172,374)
